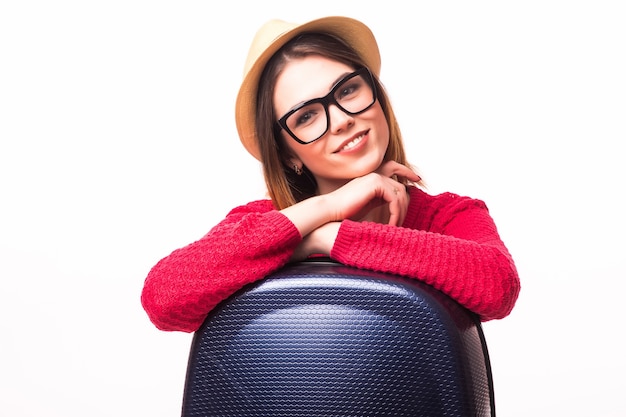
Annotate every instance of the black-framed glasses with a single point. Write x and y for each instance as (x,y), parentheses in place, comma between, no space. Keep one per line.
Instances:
(309,121)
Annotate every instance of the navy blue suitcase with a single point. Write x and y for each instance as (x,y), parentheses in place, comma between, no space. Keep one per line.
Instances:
(323,339)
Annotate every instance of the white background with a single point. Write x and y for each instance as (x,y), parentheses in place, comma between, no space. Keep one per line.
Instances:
(118,145)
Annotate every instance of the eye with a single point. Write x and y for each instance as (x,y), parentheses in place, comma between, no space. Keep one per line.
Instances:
(350,89)
(305,116)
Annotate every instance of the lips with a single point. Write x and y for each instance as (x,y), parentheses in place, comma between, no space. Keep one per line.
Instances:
(351,143)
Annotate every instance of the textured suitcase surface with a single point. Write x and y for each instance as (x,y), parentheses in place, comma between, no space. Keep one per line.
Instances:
(322,339)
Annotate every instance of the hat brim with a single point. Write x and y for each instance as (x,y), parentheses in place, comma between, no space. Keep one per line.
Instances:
(352,31)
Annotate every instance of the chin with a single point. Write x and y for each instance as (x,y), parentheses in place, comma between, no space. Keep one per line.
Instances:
(366,167)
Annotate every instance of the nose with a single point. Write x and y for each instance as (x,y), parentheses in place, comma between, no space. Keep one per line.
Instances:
(339,120)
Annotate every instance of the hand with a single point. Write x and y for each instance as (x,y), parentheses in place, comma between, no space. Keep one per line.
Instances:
(359,198)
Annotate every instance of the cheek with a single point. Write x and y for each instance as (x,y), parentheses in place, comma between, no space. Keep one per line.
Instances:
(312,156)
(286,142)
(289,146)
(311,153)
(382,127)
(292,149)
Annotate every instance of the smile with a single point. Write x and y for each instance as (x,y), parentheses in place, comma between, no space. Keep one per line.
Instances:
(352,144)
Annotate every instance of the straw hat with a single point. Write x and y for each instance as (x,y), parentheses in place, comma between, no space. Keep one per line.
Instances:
(269,39)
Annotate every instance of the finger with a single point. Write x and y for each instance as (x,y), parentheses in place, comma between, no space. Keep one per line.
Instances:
(398,208)
(394,213)
(398,194)
(391,168)
(412,176)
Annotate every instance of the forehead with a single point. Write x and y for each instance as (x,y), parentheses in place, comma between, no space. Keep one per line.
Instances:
(304,79)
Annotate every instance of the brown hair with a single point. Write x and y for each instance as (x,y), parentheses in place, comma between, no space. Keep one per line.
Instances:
(284,186)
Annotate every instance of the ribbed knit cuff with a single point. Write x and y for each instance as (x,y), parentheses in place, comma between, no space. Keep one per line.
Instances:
(346,244)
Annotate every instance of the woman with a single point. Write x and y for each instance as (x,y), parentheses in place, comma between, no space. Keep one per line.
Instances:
(312,110)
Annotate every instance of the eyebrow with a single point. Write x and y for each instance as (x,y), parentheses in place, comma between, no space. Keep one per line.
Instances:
(332,85)
(341,77)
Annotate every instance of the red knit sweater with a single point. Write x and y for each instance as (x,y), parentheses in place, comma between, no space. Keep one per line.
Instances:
(447,241)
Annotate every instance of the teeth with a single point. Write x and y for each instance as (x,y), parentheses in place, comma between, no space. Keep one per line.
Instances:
(352,143)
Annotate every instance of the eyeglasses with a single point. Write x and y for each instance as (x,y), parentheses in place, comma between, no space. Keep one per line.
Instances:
(310,120)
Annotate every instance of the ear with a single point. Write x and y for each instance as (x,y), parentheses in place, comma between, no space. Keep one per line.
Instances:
(290,160)
(293,163)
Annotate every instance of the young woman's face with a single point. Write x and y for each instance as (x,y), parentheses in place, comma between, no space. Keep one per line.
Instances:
(353,145)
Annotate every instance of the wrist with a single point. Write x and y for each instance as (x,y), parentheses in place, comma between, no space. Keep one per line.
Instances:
(327,236)
(310,214)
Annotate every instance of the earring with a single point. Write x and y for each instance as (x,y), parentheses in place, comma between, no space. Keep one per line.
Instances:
(297,169)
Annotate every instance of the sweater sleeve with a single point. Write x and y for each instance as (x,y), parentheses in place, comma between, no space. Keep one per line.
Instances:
(450,242)
(250,243)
